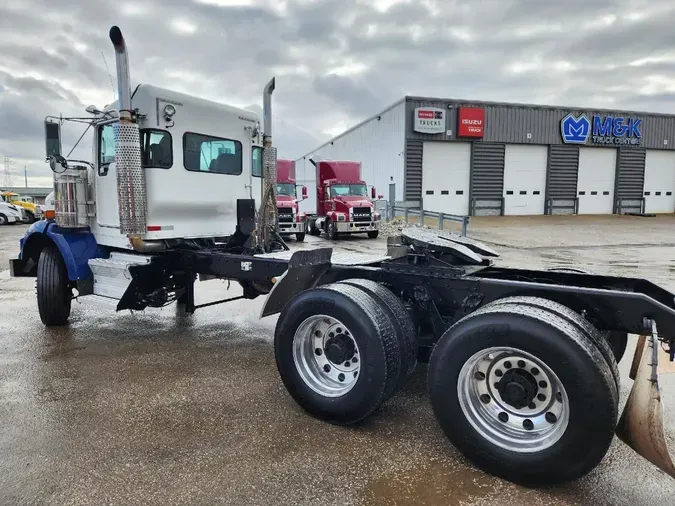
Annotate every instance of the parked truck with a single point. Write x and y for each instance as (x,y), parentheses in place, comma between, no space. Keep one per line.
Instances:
(32,211)
(342,203)
(522,363)
(291,220)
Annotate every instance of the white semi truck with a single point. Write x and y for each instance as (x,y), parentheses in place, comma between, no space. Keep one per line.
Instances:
(522,371)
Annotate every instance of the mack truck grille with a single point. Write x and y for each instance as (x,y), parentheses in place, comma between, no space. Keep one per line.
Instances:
(362,214)
(285,214)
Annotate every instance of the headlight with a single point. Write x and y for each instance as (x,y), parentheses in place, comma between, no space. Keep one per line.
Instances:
(376,216)
(341,217)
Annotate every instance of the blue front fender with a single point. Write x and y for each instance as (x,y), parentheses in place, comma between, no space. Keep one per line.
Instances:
(76,247)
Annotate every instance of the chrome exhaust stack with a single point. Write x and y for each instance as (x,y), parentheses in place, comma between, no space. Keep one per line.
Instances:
(131,186)
(268,215)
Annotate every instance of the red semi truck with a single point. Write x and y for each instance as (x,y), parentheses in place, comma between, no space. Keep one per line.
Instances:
(291,220)
(342,203)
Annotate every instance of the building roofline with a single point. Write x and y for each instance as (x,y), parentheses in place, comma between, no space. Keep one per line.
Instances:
(358,125)
(414,98)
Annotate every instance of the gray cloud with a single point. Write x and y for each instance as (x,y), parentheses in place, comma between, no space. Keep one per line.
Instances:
(336,61)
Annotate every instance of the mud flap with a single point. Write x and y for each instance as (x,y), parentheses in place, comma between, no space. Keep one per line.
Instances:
(641,423)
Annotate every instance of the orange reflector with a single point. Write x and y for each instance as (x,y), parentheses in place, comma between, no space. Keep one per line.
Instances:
(50,214)
(274,280)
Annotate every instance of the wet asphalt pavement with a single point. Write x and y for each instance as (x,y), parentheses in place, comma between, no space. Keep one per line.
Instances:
(158,407)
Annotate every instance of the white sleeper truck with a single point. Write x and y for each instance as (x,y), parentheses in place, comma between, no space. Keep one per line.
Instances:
(522,371)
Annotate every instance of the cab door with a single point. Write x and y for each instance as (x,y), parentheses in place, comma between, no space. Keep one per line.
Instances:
(107,213)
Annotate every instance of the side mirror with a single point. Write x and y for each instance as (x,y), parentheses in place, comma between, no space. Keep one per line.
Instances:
(372,192)
(304,192)
(52,139)
(58,164)
(380,197)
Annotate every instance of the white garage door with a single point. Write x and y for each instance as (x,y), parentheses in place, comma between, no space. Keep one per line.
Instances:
(595,184)
(524,179)
(659,181)
(445,177)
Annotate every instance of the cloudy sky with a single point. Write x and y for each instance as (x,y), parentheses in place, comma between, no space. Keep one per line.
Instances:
(336,61)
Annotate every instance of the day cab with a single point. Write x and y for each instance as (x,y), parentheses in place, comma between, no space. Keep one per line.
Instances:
(291,220)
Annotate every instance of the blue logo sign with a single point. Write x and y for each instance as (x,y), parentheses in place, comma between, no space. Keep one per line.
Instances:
(575,130)
(614,130)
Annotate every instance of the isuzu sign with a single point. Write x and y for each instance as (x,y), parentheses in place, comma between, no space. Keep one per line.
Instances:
(429,120)
(613,130)
(471,122)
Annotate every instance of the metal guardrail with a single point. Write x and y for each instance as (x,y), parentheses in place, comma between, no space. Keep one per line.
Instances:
(441,217)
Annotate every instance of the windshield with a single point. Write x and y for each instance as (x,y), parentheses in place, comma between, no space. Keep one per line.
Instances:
(350,190)
(287,189)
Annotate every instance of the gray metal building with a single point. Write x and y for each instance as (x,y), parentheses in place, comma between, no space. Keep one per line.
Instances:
(483,158)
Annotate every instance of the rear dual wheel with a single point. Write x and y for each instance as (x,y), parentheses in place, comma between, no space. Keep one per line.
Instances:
(522,389)
(344,349)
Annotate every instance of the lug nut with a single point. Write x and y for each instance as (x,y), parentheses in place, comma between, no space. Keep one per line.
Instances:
(541,397)
(338,330)
(332,334)
(318,333)
(499,373)
(341,377)
(521,364)
(535,371)
(347,364)
(479,375)
(318,351)
(355,359)
(485,398)
(503,417)
(507,364)
(532,405)
(551,418)
(528,425)
(543,384)
(326,368)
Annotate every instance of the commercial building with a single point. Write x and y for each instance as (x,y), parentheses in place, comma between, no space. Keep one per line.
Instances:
(485,158)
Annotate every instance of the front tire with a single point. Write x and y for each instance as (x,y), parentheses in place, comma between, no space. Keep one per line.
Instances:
(373,234)
(300,236)
(524,394)
(337,353)
(54,294)
(3,219)
(331,230)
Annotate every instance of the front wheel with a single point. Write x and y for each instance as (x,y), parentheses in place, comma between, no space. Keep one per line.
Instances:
(28,218)
(300,236)
(3,219)
(524,394)
(54,294)
(373,234)
(331,230)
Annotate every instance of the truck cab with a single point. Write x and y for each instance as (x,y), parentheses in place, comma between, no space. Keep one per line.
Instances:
(291,220)
(343,203)
(31,212)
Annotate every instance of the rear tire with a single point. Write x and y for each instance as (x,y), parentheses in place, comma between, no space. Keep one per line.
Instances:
(575,319)
(3,219)
(405,328)
(313,229)
(506,428)
(617,340)
(54,294)
(318,334)
(373,234)
(300,236)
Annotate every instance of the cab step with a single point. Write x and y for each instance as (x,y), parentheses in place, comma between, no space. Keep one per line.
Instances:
(112,276)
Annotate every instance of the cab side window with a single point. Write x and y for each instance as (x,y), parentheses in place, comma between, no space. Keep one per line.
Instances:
(106,144)
(256,162)
(156,149)
(204,153)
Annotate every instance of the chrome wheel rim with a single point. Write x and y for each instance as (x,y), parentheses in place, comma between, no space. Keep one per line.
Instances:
(326,356)
(513,399)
